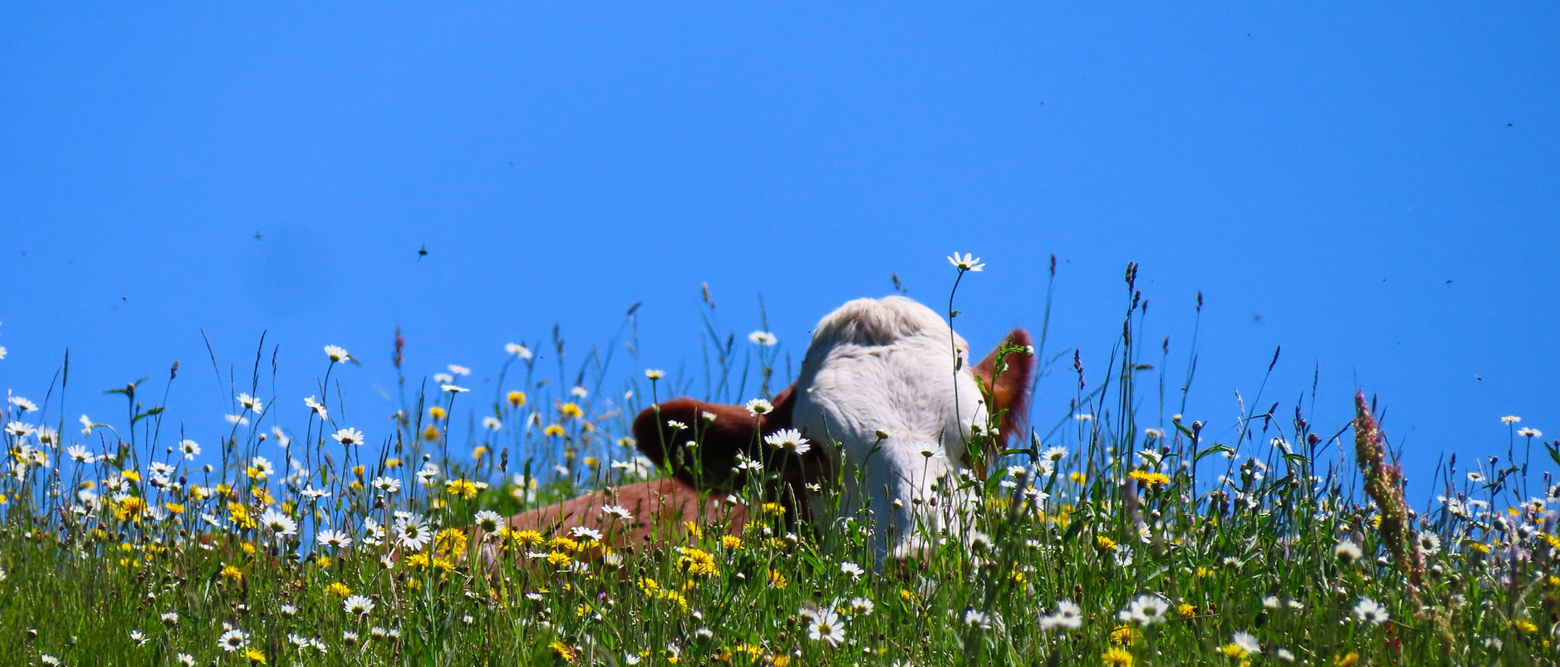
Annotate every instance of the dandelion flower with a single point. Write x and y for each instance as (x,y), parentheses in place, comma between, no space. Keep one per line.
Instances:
(1116,657)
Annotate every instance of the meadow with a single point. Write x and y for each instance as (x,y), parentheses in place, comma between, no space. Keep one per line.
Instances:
(1115,532)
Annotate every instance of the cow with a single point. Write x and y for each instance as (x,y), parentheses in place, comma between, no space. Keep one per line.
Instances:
(884,411)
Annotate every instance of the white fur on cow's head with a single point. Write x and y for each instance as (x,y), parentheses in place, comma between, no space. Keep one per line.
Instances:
(887,367)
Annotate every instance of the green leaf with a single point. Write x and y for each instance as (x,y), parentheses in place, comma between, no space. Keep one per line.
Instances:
(1212,450)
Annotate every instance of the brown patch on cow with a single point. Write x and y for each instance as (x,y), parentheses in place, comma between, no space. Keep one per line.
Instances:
(1008,393)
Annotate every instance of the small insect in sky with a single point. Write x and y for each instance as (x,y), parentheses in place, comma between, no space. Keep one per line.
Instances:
(423,251)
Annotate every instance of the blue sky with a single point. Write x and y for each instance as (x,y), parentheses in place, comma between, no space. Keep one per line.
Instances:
(1371,188)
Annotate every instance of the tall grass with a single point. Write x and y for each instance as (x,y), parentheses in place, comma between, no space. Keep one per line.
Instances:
(1109,534)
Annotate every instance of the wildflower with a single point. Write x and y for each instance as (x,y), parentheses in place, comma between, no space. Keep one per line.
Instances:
(617,512)
(1067,616)
(1348,660)
(460,487)
(1429,544)
(348,436)
(516,398)
(1104,543)
(1247,643)
(250,403)
(852,569)
(232,573)
(22,404)
(788,439)
(570,410)
(966,263)
(453,388)
(1529,433)
(1145,610)
(554,430)
(758,407)
(278,522)
(386,485)
(1369,611)
(492,423)
(79,454)
(412,532)
(825,626)
(488,521)
(1116,656)
(339,590)
(334,539)
(654,373)
(336,353)
(18,429)
(763,338)
(697,562)
(1347,552)
(170,618)
(316,407)
(233,640)
(1476,477)
(977,619)
(1510,419)
(358,605)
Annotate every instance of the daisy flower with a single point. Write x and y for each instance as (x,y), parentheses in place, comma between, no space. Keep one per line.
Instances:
(1369,611)
(250,403)
(518,350)
(825,626)
(763,338)
(654,373)
(334,539)
(759,406)
(348,436)
(788,438)
(336,353)
(489,521)
(190,448)
(278,522)
(233,640)
(357,605)
(316,406)
(966,263)
(412,532)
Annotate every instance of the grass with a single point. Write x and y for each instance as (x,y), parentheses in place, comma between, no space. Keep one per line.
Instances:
(1102,540)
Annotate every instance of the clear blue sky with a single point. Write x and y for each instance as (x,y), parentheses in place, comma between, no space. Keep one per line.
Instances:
(1373,188)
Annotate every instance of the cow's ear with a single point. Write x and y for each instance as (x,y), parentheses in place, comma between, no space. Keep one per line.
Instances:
(719,432)
(1007,392)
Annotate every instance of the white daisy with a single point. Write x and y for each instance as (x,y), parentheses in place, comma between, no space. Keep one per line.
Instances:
(336,353)
(518,350)
(348,436)
(788,438)
(763,338)
(233,640)
(966,263)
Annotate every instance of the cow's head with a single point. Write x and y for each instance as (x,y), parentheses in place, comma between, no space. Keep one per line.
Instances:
(891,384)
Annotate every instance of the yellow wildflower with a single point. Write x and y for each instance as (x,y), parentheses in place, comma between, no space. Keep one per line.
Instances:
(232,573)
(517,398)
(461,487)
(1117,657)
(570,410)
(553,430)
(339,590)
(431,433)
(437,412)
